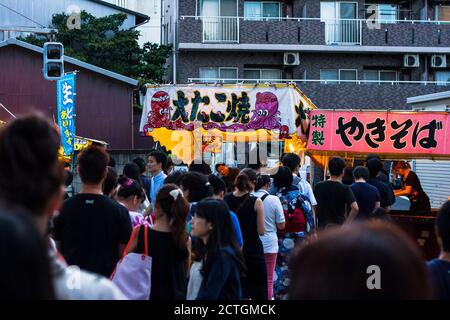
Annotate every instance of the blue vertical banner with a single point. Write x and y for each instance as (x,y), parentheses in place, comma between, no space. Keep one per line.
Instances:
(66,93)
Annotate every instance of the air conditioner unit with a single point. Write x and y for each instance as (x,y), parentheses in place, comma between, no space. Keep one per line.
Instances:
(291,59)
(439,61)
(411,60)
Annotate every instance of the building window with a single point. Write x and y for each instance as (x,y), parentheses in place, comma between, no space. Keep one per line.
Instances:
(219,74)
(262,74)
(383,13)
(380,75)
(121,3)
(442,78)
(259,10)
(218,8)
(442,13)
(341,24)
(338,75)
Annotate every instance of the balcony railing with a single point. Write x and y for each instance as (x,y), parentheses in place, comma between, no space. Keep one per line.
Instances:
(343,32)
(220,29)
(336,31)
(322,81)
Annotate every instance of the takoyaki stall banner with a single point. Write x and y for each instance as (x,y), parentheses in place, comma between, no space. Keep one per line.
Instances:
(399,134)
(236,108)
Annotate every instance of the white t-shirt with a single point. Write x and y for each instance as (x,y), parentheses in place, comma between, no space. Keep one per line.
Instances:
(273,214)
(305,188)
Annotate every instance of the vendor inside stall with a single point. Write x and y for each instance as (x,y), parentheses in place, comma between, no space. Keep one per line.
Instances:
(411,187)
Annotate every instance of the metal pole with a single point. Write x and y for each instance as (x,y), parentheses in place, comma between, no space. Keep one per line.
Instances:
(174,53)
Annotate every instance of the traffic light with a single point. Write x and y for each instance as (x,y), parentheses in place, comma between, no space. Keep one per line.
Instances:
(53,60)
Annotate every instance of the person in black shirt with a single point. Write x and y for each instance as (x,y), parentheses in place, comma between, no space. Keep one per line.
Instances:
(381,175)
(387,198)
(168,245)
(92,229)
(222,262)
(335,199)
(367,196)
(420,203)
(250,212)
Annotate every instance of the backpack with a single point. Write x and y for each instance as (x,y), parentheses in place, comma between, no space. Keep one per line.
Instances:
(297,211)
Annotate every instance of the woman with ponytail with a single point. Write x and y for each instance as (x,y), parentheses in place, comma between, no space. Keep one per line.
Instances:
(168,245)
(130,194)
(250,212)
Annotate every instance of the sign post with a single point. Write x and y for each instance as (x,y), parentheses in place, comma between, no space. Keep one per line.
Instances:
(66,93)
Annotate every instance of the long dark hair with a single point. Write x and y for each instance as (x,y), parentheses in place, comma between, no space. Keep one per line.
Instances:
(245,179)
(177,211)
(25,267)
(218,214)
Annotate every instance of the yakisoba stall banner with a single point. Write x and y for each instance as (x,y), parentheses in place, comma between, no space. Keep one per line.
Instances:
(418,134)
(225,108)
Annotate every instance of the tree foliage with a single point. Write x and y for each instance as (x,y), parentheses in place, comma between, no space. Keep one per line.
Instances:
(101,42)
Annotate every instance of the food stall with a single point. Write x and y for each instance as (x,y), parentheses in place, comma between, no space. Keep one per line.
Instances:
(193,120)
(393,136)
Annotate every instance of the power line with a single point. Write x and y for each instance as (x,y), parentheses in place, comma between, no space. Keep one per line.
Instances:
(22,15)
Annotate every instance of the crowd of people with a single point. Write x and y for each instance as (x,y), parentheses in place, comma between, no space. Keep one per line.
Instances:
(226,234)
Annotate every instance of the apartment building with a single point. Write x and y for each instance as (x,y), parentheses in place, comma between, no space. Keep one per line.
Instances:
(369,54)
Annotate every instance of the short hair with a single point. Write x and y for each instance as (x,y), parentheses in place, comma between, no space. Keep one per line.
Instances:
(283,178)
(132,171)
(201,167)
(262,180)
(401,165)
(217,184)
(443,225)
(361,172)
(198,186)
(174,178)
(92,164)
(336,166)
(160,157)
(374,166)
(140,163)
(291,160)
(350,251)
(372,156)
